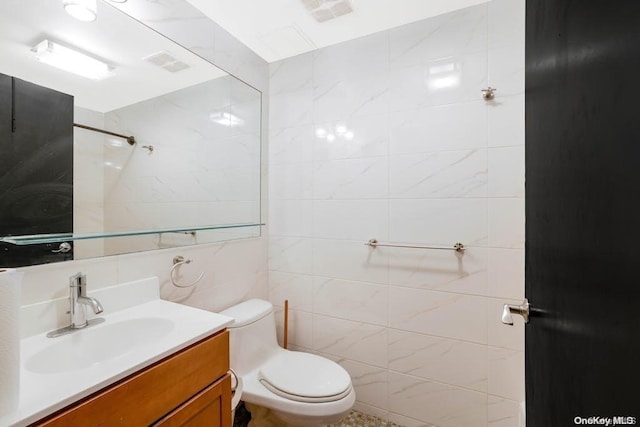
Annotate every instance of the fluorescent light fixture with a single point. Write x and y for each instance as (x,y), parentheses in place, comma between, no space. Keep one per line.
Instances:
(70,60)
(226,119)
(82,10)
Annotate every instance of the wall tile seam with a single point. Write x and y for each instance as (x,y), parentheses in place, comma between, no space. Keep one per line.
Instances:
(388,329)
(487,148)
(430,380)
(394,155)
(508,399)
(391,286)
(279,129)
(325,278)
(378,198)
(466,100)
(489,293)
(448,338)
(321,89)
(382,327)
(427,60)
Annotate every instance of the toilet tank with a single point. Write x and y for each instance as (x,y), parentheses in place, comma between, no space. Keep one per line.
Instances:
(252,335)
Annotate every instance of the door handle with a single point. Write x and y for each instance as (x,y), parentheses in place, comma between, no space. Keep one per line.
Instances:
(63,248)
(522,310)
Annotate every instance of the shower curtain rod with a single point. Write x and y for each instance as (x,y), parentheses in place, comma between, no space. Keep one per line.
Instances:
(130,139)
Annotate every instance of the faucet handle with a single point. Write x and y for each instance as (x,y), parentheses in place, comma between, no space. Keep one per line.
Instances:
(79,281)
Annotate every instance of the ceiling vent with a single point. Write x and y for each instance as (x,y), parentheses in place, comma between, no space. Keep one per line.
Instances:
(324,10)
(166,61)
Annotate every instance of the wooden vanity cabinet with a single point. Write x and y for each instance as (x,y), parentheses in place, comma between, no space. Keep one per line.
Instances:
(189,388)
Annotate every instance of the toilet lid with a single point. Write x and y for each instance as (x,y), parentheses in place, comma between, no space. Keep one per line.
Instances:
(305,377)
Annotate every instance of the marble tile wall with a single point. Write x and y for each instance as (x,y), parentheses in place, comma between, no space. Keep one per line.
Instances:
(88,194)
(388,137)
(199,172)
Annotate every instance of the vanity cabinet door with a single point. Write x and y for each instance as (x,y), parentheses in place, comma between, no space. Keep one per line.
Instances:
(149,395)
(211,407)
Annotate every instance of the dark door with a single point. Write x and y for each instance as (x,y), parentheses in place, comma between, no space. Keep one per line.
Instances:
(36,169)
(582,217)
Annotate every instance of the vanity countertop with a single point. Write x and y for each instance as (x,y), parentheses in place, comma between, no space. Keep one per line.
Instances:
(55,374)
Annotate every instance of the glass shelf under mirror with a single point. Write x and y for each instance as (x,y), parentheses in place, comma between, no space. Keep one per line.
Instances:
(37,239)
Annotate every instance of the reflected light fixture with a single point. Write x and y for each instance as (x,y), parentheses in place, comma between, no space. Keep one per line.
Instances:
(341,131)
(226,119)
(70,60)
(82,10)
(444,75)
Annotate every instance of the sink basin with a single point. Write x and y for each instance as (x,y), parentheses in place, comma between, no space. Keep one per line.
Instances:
(98,344)
(138,330)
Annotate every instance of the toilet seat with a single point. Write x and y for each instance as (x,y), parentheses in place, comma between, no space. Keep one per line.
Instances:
(305,377)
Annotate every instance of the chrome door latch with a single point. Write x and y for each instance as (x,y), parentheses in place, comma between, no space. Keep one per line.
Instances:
(522,310)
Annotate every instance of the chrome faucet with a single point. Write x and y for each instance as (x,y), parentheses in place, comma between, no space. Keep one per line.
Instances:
(77,300)
(77,296)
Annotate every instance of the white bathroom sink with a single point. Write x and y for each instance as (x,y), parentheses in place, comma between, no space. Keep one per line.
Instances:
(107,341)
(139,329)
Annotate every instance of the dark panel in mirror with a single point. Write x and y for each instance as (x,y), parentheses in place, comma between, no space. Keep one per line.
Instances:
(36,178)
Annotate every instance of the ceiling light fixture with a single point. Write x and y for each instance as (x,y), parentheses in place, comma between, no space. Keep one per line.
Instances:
(70,60)
(82,10)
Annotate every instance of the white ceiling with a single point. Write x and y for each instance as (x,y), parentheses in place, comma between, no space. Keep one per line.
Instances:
(277,29)
(114,38)
(274,29)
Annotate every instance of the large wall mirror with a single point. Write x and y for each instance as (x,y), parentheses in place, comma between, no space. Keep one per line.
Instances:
(115,139)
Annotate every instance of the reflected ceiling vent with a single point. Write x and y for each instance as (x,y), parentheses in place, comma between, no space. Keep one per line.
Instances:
(165,60)
(324,10)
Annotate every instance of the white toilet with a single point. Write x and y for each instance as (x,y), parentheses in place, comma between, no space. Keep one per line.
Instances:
(301,389)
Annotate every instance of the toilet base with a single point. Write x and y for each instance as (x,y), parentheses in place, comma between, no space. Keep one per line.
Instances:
(265,417)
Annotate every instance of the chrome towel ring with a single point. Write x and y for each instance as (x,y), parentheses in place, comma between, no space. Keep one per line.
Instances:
(177,261)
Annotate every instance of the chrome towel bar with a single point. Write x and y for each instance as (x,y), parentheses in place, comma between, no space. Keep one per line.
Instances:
(458,247)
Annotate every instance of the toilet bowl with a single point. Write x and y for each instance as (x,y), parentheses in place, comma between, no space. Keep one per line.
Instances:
(301,389)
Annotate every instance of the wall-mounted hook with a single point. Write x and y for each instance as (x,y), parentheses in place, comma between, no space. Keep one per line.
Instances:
(148,147)
(489,93)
